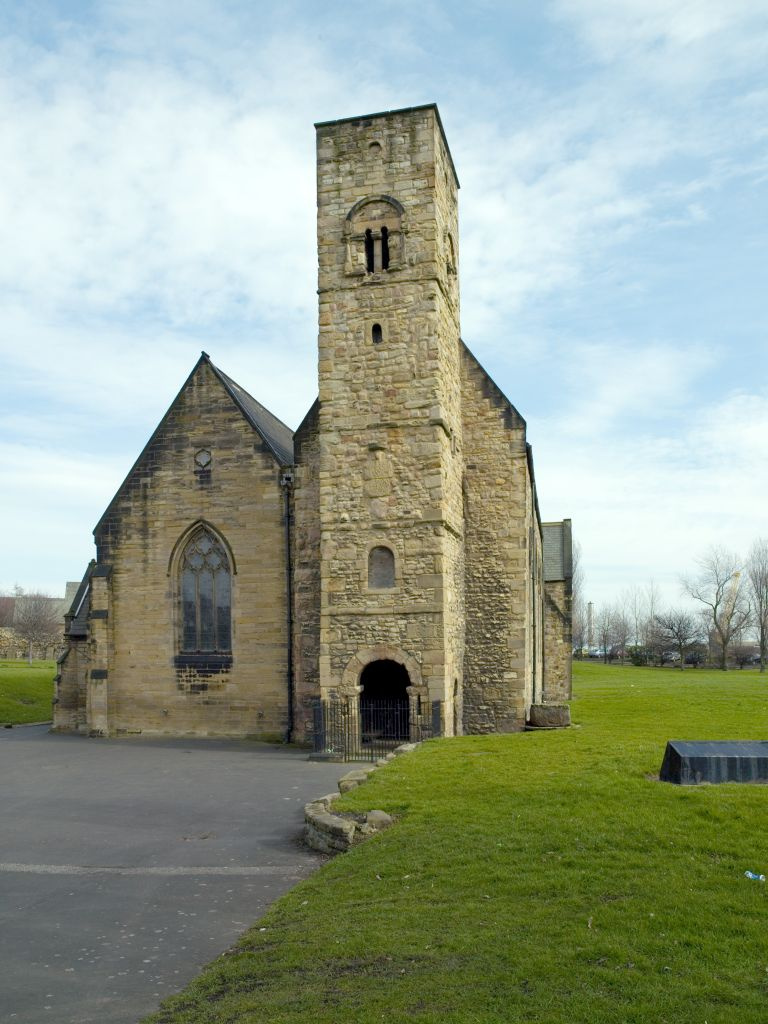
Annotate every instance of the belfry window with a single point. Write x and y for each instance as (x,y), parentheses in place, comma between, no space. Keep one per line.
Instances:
(376,250)
(374,236)
(381,568)
(206,596)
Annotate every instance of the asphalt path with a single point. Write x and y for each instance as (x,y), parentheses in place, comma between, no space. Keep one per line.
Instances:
(126,865)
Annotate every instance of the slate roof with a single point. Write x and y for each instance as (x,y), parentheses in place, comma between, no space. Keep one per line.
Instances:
(76,617)
(556,547)
(277,435)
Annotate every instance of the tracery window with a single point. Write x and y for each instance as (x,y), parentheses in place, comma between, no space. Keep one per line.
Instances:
(206,595)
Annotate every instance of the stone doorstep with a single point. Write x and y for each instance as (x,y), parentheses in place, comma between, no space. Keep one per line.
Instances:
(336,833)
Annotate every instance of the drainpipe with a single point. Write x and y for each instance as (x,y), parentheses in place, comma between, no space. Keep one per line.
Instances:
(286,482)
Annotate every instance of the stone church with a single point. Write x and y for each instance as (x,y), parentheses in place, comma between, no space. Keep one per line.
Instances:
(390,548)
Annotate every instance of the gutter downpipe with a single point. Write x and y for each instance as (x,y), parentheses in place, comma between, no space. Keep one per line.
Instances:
(286,482)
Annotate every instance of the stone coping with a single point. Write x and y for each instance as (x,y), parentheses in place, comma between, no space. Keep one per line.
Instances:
(336,833)
(24,725)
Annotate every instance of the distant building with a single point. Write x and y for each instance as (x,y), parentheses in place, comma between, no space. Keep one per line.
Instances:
(390,548)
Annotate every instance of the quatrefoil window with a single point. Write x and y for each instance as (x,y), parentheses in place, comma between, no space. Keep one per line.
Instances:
(203,458)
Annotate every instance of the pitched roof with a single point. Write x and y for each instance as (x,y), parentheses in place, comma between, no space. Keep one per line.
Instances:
(76,618)
(491,390)
(277,435)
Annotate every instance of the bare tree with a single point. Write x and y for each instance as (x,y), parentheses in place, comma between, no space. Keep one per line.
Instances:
(605,630)
(7,601)
(622,628)
(633,601)
(649,633)
(681,629)
(579,628)
(757,582)
(578,610)
(577,569)
(718,586)
(36,619)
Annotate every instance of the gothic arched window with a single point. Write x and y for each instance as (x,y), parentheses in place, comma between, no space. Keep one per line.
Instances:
(206,595)
(381,568)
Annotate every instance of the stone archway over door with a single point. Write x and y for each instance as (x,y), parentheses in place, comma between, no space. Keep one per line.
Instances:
(384,701)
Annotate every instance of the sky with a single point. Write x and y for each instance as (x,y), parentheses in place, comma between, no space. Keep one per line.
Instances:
(157,198)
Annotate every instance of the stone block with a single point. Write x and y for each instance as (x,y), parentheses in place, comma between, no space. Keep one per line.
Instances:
(550,716)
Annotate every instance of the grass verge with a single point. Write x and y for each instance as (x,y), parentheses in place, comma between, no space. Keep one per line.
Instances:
(539,877)
(26,691)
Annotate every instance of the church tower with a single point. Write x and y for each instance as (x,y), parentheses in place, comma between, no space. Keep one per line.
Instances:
(390,469)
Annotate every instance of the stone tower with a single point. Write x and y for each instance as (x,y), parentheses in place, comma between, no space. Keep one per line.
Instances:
(390,470)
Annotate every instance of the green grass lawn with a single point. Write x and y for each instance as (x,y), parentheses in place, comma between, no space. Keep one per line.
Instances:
(26,691)
(540,877)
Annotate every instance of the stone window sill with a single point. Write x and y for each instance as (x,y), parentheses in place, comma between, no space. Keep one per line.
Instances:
(204,663)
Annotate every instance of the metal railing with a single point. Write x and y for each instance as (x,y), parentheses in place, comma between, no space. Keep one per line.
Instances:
(355,729)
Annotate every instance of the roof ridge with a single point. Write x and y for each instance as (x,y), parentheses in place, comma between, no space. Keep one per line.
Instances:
(277,435)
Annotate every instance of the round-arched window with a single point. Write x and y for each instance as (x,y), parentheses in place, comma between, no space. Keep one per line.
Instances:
(381,568)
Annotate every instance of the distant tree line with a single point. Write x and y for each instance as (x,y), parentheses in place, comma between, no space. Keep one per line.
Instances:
(728,621)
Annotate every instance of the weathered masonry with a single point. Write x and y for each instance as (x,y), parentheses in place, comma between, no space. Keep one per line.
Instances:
(390,550)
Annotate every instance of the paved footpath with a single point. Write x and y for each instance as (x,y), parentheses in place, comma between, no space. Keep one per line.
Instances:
(126,865)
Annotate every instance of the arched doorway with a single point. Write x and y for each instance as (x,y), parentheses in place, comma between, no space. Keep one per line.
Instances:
(384,703)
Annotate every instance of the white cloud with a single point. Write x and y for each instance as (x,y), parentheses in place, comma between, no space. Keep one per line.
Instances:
(51,501)
(158,198)
(723,29)
(106,377)
(612,386)
(131,187)
(647,506)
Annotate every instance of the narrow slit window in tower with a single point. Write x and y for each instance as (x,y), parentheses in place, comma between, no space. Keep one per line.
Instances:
(384,249)
(369,250)
(376,335)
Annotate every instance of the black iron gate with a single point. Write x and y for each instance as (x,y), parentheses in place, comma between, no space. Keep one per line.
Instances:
(367,730)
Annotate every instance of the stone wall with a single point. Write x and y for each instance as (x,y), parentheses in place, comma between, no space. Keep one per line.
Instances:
(558,640)
(306,574)
(500,524)
(536,613)
(71,684)
(137,683)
